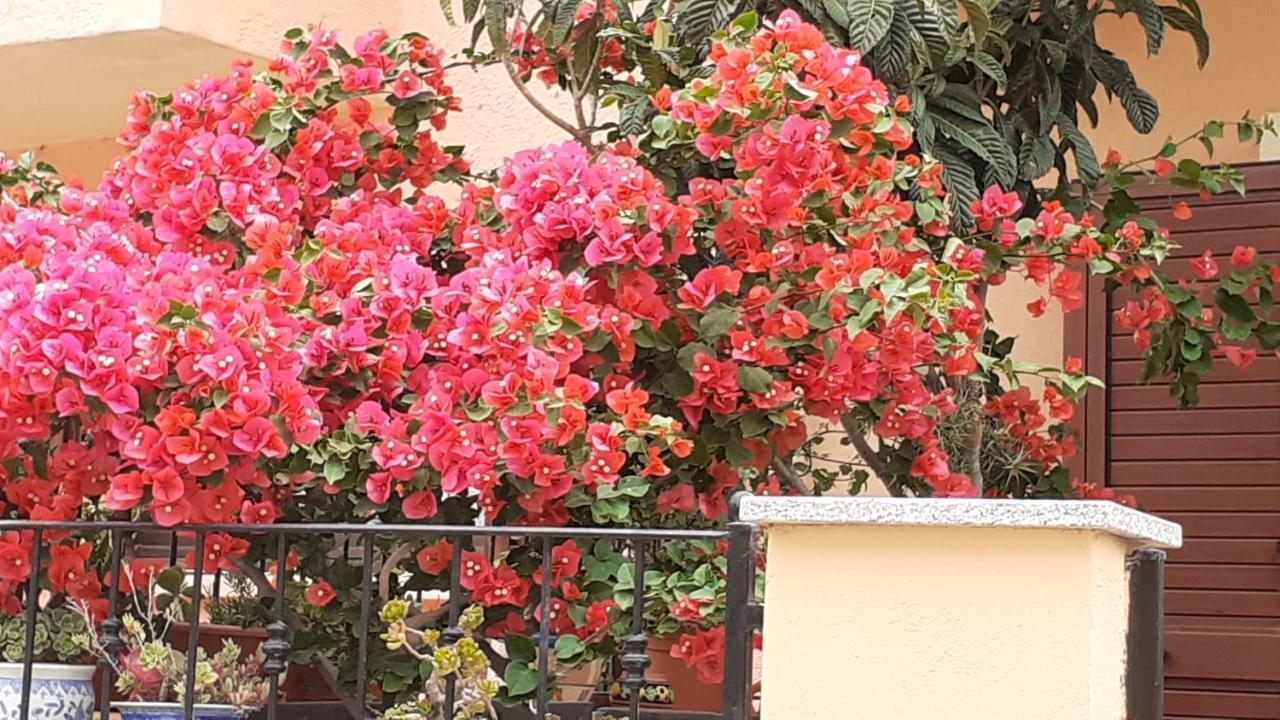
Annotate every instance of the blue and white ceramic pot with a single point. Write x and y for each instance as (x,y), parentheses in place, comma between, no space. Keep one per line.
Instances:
(174,711)
(58,692)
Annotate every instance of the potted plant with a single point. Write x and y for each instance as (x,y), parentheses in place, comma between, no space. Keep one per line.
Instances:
(228,684)
(62,670)
(151,673)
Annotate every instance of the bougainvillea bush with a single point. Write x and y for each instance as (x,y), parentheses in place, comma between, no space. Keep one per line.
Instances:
(286,301)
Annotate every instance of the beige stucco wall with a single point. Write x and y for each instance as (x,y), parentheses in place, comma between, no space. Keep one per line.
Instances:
(919,623)
(27,21)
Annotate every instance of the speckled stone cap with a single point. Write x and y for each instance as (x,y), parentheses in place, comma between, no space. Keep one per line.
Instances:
(1097,515)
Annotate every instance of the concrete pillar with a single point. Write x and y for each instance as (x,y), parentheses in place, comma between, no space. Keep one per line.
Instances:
(919,609)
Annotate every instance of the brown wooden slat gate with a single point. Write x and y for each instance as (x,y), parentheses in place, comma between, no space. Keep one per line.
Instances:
(1215,469)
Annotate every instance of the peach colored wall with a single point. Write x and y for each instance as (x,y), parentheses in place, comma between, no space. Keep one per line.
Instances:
(27,21)
(1240,76)
(958,623)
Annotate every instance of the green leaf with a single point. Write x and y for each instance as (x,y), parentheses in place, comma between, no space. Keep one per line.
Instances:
(171,580)
(495,22)
(565,13)
(568,646)
(1141,108)
(1234,307)
(892,58)
(1152,20)
(521,649)
(334,469)
(1181,20)
(717,321)
(520,679)
(446,7)
(991,68)
(982,140)
(868,22)
(698,19)
(1086,160)
(754,379)
(686,355)
(979,20)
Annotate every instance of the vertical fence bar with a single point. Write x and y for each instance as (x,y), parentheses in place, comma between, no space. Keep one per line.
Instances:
(110,641)
(1144,677)
(193,638)
(29,642)
(739,632)
(544,629)
(276,648)
(452,633)
(173,550)
(366,605)
(635,658)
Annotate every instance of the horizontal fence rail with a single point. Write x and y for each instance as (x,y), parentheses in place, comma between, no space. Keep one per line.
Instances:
(742,613)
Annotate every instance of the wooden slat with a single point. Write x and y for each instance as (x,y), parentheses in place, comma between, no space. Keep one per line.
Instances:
(1242,213)
(1234,525)
(1222,241)
(1264,369)
(1218,602)
(1123,348)
(1194,472)
(1210,576)
(1242,447)
(1222,498)
(1261,178)
(1210,653)
(1207,421)
(1203,550)
(1205,704)
(1234,395)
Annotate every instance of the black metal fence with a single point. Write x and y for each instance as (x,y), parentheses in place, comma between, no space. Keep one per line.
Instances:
(1144,684)
(743,613)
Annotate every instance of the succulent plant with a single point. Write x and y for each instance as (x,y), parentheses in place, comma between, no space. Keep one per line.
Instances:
(61,636)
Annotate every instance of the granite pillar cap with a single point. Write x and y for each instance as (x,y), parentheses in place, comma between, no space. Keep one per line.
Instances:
(1094,515)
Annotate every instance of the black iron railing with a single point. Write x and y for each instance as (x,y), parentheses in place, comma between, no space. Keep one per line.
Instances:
(743,614)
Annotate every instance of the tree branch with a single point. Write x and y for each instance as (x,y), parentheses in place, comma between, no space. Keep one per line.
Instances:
(869,456)
(788,473)
(389,566)
(505,53)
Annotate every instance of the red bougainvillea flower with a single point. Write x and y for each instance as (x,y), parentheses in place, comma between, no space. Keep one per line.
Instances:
(702,650)
(1242,256)
(320,593)
(1205,267)
(435,558)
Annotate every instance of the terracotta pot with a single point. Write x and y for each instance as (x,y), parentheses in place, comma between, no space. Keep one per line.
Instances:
(302,682)
(671,684)
(577,684)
